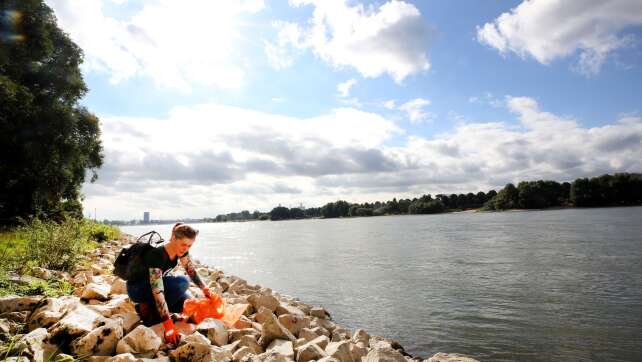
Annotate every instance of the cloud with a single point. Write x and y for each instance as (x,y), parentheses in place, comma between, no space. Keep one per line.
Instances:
(177,45)
(548,30)
(415,110)
(487,99)
(207,159)
(391,38)
(344,88)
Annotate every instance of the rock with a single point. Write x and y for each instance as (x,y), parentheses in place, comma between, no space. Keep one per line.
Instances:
(12,303)
(328,359)
(31,344)
(450,357)
(16,359)
(118,304)
(50,310)
(41,273)
(309,352)
(308,334)
(5,326)
(130,320)
(294,323)
(250,342)
(101,341)
(288,309)
(141,342)
(384,355)
(358,351)
(215,331)
(198,352)
(235,334)
(282,347)
(18,317)
(299,342)
(231,346)
(263,300)
(271,356)
(271,329)
(118,286)
(243,323)
(240,353)
(319,313)
(96,291)
(76,323)
(321,341)
(340,351)
(323,323)
(196,338)
(262,315)
(124,357)
(361,336)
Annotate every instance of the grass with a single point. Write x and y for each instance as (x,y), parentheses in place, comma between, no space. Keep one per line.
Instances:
(49,245)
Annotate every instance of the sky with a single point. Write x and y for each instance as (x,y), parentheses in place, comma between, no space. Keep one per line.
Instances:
(211,107)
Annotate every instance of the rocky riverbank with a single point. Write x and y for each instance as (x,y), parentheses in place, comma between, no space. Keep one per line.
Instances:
(99,323)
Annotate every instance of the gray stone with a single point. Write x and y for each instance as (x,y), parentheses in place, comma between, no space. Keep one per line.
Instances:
(282,347)
(214,330)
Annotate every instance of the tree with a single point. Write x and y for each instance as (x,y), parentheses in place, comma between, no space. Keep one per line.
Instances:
(280,213)
(49,141)
(507,198)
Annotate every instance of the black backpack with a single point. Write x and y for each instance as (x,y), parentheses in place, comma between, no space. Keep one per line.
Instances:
(129,264)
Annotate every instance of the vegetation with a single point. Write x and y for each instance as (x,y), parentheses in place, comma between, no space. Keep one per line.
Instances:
(620,189)
(49,141)
(50,245)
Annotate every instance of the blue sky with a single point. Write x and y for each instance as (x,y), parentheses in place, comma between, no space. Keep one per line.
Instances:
(213,107)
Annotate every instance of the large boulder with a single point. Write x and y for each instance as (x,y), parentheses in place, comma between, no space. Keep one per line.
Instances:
(130,320)
(250,342)
(358,351)
(236,334)
(241,353)
(288,309)
(262,315)
(118,304)
(50,311)
(450,357)
(294,322)
(340,351)
(214,330)
(118,286)
(96,291)
(320,313)
(361,336)
(271,329)
(263,300)
(309,352)
(282,347)
(384,355)
(198,352)
(31,345)
(197,338)
(12,303)
(141,342)
(99,342)
(76,323)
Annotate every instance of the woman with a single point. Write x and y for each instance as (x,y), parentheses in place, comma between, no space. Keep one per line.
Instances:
(157,292)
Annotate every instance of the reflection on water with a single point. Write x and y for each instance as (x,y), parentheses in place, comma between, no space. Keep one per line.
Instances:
(530,286)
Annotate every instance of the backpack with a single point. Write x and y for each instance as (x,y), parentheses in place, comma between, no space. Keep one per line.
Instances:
(129,264)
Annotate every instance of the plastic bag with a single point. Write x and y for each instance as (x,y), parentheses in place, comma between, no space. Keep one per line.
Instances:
(202,308)
(214,307)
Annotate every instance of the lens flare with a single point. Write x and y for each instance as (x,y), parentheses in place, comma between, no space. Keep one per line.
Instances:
(10,19)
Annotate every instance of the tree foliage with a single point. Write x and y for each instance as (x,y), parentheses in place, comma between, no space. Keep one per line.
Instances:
(49,141)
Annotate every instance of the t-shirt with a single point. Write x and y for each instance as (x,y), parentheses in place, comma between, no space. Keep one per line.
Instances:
(157,258)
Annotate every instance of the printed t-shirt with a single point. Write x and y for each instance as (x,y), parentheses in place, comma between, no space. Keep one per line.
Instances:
(158,258)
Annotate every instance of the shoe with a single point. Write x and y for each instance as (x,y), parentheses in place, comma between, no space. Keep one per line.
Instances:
(148,314)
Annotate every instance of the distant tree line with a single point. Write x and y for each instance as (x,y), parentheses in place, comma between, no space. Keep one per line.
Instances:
(620,189)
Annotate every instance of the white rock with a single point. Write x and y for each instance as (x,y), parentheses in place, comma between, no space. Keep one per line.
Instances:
(196,338)
(450,357)
(101,341)
(50,310)
(271,329)
(215,331)
(125,357)
(282,347)
(361,336)
(12,303)
(319,313)
(250,342)
(340,351)
(118,286)
(96,291)
(384,355)
(308,352)
(76,323)
(31,344)
(240,353)
(130,320)
(141,342)
(294,323)
(263,300)
(198,352)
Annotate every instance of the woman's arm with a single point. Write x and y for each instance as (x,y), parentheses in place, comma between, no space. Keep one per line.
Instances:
(186,262)
(156,282)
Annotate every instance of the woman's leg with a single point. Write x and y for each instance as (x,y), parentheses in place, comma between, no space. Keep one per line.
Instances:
(176,292)
(140,291)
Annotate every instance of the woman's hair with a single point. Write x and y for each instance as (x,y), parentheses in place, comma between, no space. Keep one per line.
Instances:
(181,230)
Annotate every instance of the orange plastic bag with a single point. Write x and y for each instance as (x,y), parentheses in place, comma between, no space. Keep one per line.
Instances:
(214,307)
(202,308)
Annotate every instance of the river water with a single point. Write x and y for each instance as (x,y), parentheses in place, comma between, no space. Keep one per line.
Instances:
(527,286)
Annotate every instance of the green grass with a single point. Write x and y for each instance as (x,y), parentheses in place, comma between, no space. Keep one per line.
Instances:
(49,245)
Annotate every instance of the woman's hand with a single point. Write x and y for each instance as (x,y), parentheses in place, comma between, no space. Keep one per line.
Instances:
(171,334)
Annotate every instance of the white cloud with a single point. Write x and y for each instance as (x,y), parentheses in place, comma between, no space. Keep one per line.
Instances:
(547,30)
(208,159)
(281,54)
(389,104)
(389,39)
(487,99)
(415,109)
(344,88)
(175,44)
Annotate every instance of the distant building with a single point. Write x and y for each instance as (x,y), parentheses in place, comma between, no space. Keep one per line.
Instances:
(146,217)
